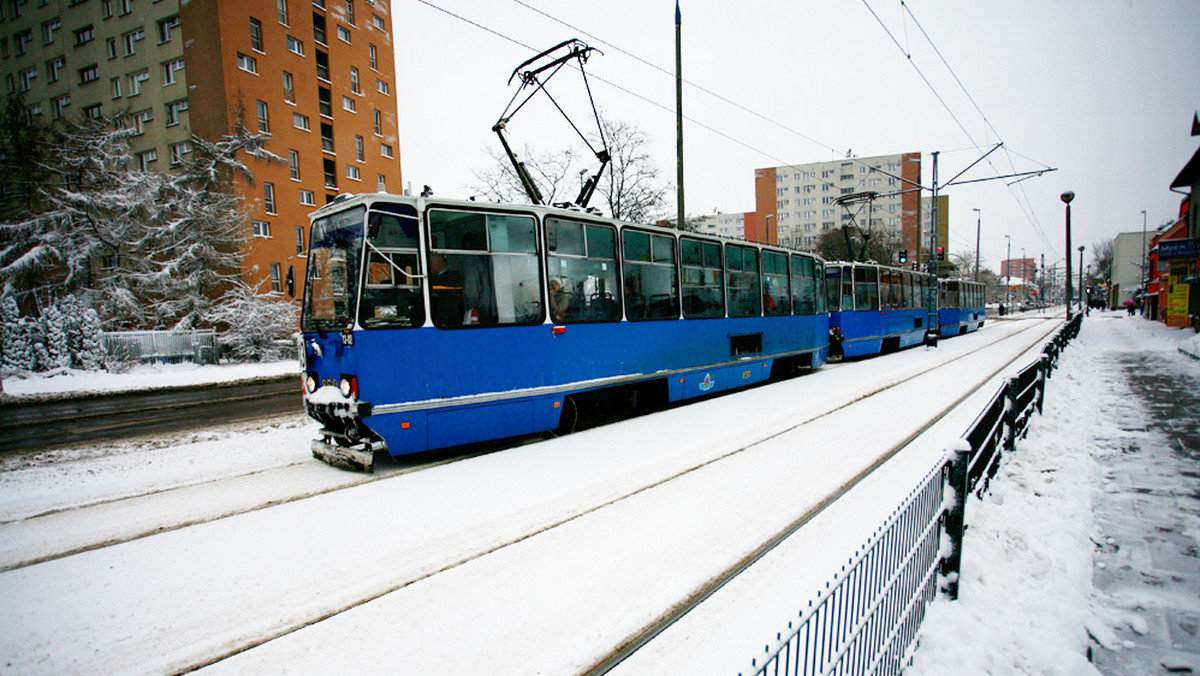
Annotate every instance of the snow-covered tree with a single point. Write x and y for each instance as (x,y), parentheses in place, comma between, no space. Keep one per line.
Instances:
(16,351)
(259,324)
(58,350)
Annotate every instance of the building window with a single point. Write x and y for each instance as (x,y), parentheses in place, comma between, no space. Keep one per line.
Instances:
(289,87)
(60,105)
(275,274)
(126,6)
(322,65)
(178,150)
(27,77)
(136,80)
(324,102)
(247,63)
(111,45)
(147,159)
(352,172)
(256,42)
(385,150)
(49,28)
(174,108)
(378,123)
(349,104)
(82,37)
(382,87)
(343,34)
(295,46)
(350,12)
(294,164)
(171,70)
(23,38)
(282,6)
(300,121)
(299,240)
(116,87)
(373,55)
(358,148)
(354,80)
(86,75)
(166,27)
(55,65)
(140,120)
(319,29)
(381,183)
(93,112)
(269,197)
(131,39)
(378,22)
(264,124)
(260,229)
(306,198)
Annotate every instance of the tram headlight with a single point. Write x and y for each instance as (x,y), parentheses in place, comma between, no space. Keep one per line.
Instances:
(310,383)
(348,386)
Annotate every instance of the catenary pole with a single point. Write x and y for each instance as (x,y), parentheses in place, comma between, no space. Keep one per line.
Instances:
(679,223)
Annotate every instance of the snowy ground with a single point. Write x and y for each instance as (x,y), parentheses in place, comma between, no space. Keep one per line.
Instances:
(145,377)
(1027,592)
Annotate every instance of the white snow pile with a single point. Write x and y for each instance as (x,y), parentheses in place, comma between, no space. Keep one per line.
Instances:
(142,377)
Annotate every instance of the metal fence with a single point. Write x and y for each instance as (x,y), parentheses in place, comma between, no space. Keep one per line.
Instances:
(866,619)
(198,346)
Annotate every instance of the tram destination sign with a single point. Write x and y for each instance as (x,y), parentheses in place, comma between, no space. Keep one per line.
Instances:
(1179,248)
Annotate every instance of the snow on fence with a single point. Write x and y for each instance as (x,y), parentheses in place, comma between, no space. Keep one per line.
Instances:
(199,346)
(865,620)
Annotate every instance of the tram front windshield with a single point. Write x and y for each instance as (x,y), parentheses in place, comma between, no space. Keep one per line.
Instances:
(334,264)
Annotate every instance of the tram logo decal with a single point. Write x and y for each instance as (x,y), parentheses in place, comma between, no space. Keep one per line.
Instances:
(707,383)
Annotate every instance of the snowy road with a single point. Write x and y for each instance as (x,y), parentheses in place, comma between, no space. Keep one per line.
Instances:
(542,557)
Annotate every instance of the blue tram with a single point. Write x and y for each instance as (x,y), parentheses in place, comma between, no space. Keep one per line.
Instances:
(960,306)
(875,309)
(431,323)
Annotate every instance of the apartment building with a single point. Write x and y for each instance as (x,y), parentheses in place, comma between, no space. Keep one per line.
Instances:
(318,76)
(732,226)
(796,204)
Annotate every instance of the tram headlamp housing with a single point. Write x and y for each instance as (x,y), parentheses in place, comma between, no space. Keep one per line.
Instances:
(348,386)
(310,382)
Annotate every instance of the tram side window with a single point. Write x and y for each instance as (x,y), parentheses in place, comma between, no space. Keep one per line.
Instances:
(582,269)
(848,288)
(804,285)
(392,294)
(742,281)
(703,295)
(777,299)
(651,291)
(866,288)
(833,288)
(483,269)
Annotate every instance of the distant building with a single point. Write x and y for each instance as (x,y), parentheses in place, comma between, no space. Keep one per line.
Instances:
(733,226)
(796,204)
(923,247)
(1128,267)
(317,75)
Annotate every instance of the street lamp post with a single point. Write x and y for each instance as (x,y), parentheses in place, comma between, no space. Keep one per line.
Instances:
(1066,198)
(1082,296)
(1024,279)
(1145,264)
(978,220)
(1008,270)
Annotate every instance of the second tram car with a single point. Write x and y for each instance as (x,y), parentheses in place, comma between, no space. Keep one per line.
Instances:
(960,307)
(877,309)
(431,323)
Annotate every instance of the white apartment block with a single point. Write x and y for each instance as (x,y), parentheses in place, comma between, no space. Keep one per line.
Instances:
(731,226)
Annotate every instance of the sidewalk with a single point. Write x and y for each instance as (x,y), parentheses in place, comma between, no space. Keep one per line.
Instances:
(1147,518)
(1084,556)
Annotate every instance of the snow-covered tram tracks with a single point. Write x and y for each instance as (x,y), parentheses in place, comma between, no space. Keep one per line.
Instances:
(262,577)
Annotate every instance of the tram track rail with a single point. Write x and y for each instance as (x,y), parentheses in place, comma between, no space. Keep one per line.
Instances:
(484,549)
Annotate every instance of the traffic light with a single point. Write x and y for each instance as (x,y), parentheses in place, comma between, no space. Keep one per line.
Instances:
(903,256)
(941,253)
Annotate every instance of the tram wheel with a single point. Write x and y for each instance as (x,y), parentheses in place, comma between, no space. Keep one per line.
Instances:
(569,418)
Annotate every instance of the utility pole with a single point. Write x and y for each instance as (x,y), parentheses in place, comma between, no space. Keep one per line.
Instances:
(1066,198)
(978,221)
(679,115)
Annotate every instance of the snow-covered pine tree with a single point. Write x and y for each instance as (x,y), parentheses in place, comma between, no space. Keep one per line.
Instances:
(90,355)
(58,350)
(15,348)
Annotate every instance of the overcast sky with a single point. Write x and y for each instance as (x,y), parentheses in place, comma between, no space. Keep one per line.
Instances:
(1102,90)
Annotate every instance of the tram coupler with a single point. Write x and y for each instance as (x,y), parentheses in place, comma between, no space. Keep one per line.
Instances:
(931,336)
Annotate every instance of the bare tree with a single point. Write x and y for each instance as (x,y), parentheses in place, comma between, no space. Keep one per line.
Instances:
(1102,260)
(849,244)
(550,171)
(629,185)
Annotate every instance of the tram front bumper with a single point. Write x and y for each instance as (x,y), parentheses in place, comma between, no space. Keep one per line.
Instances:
(358,457)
